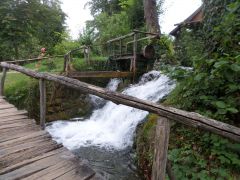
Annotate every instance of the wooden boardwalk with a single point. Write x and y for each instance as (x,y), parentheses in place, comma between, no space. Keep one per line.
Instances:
(27,152)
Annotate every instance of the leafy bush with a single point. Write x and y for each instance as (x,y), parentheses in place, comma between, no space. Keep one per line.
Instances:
(212,89)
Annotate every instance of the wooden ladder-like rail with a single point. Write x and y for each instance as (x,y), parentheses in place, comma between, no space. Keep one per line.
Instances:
(166,113)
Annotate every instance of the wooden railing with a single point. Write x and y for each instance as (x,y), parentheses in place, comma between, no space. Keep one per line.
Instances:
(32,59)
(68,57)
(134,41)
(163,126)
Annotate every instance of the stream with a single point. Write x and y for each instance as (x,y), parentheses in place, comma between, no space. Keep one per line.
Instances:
(105,139)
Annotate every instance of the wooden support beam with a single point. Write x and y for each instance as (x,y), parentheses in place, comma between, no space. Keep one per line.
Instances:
(42,88)
(121,47)
(100,74)
(161,149)
(65,63)
(3,78)
(32,60)
(187,118)
(147,33)
(134,61)
(121,38)
(142,39)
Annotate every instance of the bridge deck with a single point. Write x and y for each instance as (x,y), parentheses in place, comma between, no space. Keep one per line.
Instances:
(100,74)
(27,152)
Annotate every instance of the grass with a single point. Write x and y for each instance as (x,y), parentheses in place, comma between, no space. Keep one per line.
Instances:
(17,88)
(17,85)
(80,64)
(47,65)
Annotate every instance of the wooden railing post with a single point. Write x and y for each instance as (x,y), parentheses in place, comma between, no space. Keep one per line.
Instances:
(65,63)
(42,87)
(161,148)
(4,73)
(134,52)
(120,47)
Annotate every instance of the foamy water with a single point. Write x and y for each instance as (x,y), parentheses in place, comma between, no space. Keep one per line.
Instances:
(112,126)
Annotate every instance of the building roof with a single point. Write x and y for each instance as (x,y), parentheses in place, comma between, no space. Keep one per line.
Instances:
(196,17)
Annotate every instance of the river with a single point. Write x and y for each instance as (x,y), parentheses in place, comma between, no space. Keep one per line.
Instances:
(105,138)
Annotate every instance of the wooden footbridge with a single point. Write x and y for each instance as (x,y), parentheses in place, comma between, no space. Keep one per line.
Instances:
(26,152)
(128,58)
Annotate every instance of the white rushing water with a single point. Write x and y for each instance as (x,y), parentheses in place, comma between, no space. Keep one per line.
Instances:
(112,86)
(112,126)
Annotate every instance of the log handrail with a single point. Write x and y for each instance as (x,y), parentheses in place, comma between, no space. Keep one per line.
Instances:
(33,59)
(187,118)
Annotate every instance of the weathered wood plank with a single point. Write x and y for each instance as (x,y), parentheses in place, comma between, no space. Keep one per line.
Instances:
(17,134)
(12,118)
(52,172)
(42,87)
(33,59)
(161,148)
(23,121)
(32,160)
(100,74)
(24,138)
(28,152)
(9,110)
(6,106)
(32,168)
(2,81)
(13,113)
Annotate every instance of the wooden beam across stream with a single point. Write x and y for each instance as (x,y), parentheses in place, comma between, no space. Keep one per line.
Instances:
(100,74)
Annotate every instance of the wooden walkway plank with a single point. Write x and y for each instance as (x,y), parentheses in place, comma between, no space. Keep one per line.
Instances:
(12,113)
(27,152)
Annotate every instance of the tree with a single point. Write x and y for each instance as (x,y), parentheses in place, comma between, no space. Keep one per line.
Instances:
(151,16)
(104,6)
(24,23)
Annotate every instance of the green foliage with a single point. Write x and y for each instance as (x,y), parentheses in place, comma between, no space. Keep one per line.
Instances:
(108,6)
(114,18)
(145,145)
(14,90)
(135,11)
(189,45)
(97,64)
(27,23)
(221,26)
(111,26)
(165,51)
(65,46)
(208,156)
(212,89)
(48,65)
(87,37)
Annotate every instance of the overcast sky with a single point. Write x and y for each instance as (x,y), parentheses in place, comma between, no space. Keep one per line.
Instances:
(175,11)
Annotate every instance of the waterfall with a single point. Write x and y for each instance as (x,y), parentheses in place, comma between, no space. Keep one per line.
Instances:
(112,126)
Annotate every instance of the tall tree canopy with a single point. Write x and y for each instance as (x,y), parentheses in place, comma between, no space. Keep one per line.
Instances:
(117,17)
(26,22)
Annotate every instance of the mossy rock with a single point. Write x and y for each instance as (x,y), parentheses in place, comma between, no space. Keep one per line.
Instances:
(145,140)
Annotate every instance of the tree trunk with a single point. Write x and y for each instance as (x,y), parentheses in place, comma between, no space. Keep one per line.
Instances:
(151,16)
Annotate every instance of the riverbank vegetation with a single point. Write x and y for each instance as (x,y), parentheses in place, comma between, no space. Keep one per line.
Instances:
(210,88)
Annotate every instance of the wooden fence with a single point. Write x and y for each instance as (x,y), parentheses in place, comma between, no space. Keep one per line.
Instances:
(163,127)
